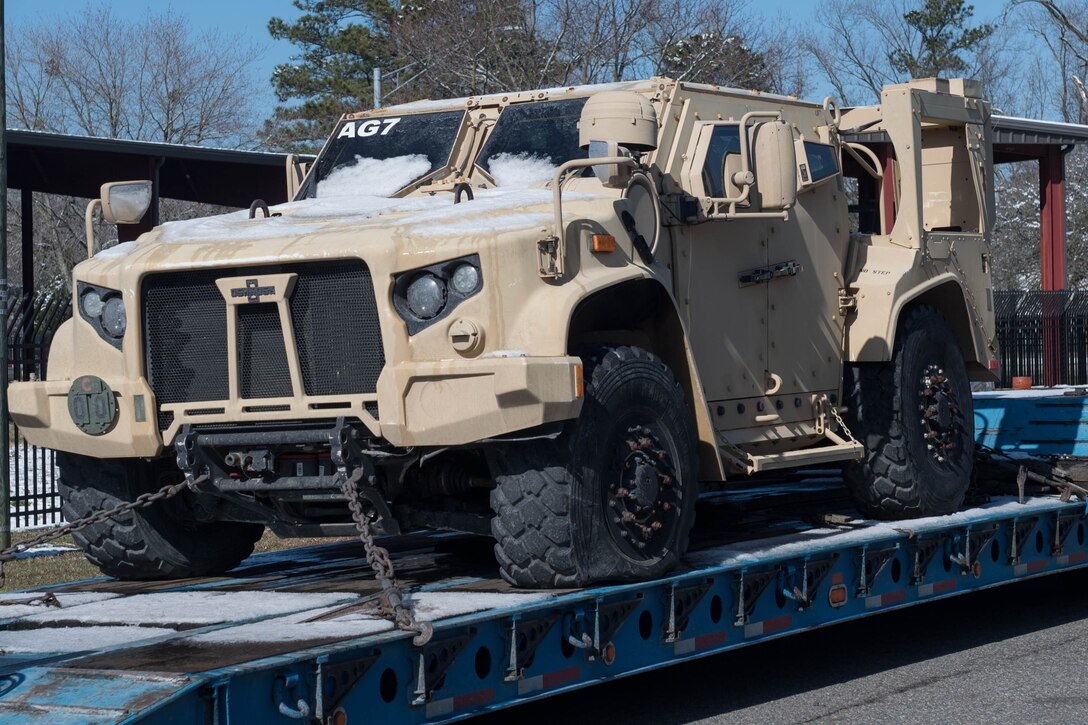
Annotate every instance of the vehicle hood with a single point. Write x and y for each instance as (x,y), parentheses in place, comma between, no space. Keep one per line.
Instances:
(299,228)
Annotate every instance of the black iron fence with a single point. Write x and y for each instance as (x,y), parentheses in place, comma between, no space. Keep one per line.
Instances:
(1043,335)
(32,473)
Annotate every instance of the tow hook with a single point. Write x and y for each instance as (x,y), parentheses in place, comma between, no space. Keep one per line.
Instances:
(289,686)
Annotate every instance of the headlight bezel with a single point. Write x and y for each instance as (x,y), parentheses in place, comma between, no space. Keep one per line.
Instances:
(106,297)
(443,272)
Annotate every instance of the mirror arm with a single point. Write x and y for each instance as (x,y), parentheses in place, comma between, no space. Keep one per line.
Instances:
(557,190)
(89,222)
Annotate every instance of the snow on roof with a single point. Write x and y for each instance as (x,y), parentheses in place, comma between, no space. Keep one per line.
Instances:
(492,98)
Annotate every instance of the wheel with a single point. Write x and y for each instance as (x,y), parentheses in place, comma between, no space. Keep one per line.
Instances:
(150,543)
(613,497)
(915,416)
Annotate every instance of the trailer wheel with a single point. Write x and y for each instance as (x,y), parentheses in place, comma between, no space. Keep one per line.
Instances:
(151,543)
(613,497)
(915,416)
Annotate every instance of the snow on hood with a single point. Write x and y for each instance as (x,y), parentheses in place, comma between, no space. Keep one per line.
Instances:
(492,212)
(522,169)
(379,177)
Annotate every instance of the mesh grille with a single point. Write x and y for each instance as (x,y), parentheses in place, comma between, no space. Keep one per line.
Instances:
(333,311)
(262,357)
(336,327)
(185,329)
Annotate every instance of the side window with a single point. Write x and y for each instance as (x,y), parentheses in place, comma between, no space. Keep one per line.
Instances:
(821,162)
(724,142)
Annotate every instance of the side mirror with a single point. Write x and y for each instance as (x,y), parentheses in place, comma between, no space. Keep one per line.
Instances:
(775,159)
(125,202)
(122,202)
(613,176)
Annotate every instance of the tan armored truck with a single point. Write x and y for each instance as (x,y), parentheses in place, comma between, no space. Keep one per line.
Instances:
(550,316)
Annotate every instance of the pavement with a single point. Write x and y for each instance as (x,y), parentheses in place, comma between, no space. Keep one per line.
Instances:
(1018,653)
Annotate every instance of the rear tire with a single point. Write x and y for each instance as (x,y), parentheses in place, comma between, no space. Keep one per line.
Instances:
(613,497)
(151,543)
(915,416)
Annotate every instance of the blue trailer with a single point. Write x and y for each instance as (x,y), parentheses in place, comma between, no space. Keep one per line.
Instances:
(294,635)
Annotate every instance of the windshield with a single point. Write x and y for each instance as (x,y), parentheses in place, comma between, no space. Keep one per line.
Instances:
(531,140)
(380,156)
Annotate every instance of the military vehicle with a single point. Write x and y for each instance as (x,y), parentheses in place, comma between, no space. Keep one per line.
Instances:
(551,316)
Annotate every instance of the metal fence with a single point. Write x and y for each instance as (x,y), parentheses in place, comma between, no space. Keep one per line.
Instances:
(1043,335)
(32,473)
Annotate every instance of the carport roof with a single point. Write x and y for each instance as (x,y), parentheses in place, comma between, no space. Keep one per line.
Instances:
(55,163)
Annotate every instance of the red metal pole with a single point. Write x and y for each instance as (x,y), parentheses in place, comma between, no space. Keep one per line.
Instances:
(1052,253)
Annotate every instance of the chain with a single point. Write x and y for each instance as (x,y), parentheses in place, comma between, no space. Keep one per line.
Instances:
(842,424)
(393,606)
(973,304)
(142,501)
(49,599)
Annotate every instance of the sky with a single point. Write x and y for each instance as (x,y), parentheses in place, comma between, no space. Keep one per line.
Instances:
(249,19)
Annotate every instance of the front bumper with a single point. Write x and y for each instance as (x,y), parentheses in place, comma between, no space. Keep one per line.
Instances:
(418,404)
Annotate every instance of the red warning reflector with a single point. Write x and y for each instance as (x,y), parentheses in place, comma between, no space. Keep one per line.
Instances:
(993,364)
(836,595)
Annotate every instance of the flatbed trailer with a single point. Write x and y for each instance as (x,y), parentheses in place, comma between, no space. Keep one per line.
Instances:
(293,635)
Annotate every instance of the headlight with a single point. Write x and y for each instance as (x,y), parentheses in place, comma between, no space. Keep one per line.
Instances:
(104,310)
(465,279)
(426,296)
(114,320)
(91,303)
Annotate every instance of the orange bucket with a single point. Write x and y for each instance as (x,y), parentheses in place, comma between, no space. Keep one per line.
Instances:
(1021,382)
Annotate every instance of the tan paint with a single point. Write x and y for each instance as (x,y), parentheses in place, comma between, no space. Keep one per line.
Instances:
(757,359)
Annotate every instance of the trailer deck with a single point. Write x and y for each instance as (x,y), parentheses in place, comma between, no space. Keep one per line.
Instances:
(294,635)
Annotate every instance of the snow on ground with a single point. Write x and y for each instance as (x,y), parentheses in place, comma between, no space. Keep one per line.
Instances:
(429,606)
(45,550)
(189,608)
(809,542)
(1057,391)
(376,177)
(66,599)
(74,639)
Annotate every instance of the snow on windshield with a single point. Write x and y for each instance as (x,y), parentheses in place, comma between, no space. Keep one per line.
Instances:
(374,177)
(523,169)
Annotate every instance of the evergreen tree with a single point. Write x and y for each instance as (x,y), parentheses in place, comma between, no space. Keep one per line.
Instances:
(943,33)
(340,42)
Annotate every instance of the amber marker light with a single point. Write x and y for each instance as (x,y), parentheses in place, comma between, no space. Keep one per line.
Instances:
(604,243)
(836,596)
(579,382)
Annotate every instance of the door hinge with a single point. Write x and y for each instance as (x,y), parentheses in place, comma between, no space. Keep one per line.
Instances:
(550,258)
(847,303)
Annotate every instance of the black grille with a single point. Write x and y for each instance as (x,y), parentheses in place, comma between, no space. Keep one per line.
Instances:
(262,357)
(336,328)
(333,312)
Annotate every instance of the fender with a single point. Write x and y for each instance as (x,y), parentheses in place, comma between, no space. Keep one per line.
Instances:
(641,311)
(871,333)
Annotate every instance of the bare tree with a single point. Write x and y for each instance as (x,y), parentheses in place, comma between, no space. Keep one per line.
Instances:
(449,48)
(862,45)
(101,73)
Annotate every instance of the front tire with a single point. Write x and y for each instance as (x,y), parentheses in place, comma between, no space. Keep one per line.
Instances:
(613,497)
(150,543)
(915,416)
